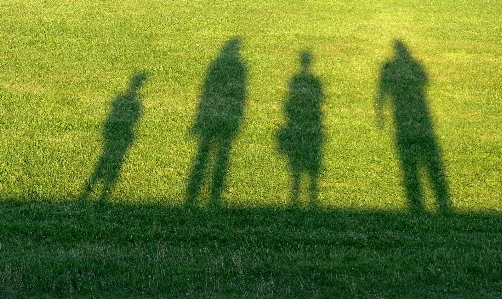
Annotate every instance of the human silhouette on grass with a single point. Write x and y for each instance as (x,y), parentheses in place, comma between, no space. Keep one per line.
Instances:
(403,80)
(301,138)
(220,113)
(118,135)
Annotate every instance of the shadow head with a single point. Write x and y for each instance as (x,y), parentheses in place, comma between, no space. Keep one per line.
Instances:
(401,50)
(137,81)
(232,47)
(305,59)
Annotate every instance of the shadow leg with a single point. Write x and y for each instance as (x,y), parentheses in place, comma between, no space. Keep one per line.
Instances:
(87,190)
(108,186)
(409,160)
(220,172)
(295,189)
(436,173)
(314,188)
(92,181)
(197,174)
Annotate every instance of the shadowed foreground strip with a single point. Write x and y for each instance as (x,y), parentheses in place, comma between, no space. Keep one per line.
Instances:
(131,251)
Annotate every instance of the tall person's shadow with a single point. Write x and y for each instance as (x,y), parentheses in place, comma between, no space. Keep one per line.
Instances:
(403,80)
(118,134)
(301,138)
(220,113)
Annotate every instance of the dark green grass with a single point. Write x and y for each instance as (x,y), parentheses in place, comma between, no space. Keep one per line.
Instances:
(53,249)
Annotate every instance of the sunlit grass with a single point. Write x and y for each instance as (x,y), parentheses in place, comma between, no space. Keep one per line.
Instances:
(62,64)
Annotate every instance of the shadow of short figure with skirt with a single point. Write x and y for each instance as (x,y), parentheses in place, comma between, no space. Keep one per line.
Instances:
(219,115)
(403,80)
(118,135)
(301,138)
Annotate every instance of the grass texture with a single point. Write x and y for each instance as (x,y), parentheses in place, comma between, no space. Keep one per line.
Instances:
(108,149)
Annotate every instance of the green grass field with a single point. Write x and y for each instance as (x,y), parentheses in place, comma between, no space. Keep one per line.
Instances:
(71,71)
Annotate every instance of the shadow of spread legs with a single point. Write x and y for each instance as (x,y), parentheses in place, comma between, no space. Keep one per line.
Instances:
(118,134)
(403,80)
(220,113)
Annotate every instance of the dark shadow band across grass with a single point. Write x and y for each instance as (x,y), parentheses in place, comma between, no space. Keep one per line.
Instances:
(85,250)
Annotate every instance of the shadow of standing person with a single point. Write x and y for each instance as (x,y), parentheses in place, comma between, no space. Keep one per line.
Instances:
(403,80)
(220,113)
(118,134)
(302,136)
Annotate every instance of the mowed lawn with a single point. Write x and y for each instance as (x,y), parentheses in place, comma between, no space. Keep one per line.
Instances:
(71,71)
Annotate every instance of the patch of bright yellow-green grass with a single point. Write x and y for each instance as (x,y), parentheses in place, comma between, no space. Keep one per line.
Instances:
(62,64)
